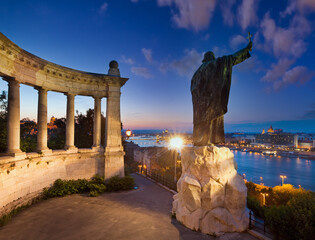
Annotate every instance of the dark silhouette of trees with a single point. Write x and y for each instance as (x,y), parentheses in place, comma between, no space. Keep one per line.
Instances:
(3,121)
(84,129)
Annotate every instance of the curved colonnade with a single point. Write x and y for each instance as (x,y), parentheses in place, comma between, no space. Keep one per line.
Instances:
(20,178)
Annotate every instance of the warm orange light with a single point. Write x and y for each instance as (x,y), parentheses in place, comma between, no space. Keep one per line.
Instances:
(128,133)
(176,143)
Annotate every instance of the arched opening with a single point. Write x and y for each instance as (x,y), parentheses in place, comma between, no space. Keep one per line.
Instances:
(84,119)
(56,116)
(3,114)
(28,118)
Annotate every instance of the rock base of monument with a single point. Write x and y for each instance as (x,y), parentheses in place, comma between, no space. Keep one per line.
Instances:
(211,195)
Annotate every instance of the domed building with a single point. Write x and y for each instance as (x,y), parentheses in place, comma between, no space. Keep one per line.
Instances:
(270,130)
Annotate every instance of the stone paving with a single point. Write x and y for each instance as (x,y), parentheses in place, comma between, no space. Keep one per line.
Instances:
(138,214)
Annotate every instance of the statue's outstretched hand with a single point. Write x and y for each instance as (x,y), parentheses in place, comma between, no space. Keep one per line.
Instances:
(250,45)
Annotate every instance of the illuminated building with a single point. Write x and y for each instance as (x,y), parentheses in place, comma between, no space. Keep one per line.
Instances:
(270,130)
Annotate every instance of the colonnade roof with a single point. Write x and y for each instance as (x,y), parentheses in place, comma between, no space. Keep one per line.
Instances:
(26,68)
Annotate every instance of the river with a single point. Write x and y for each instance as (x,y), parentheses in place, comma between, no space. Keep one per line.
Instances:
(297,170)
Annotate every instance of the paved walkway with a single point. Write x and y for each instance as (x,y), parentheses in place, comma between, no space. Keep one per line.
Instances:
(137,214)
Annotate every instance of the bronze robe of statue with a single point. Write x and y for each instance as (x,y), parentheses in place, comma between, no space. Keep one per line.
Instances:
(210,89)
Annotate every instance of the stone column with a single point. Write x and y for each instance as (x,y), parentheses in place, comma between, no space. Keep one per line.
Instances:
(97,123)
(42,121)
(13,120)
(114,154)
(70,123)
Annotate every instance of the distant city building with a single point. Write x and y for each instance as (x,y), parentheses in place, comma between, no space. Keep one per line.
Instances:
(240,138)
(278,130)
(306,140)
(270,130)
(263,131)
(277,137)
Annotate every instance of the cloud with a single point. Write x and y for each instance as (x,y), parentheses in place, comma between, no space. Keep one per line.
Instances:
(277,70)
(285,41)
(253,64)
(306,5)
(227,14)
(247,13)
(236,41)
(302,6)
(283,74)
(147,54)
(141,71)
(206,37)
(190,14)
(297,75)
(186,65)
(104,7)
(219,51)
(130,61)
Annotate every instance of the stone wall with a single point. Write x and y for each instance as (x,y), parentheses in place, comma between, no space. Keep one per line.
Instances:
(23,179)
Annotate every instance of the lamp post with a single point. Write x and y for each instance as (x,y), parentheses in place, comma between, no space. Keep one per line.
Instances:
(176,144)
(264,198)
(283,177)
(128,133)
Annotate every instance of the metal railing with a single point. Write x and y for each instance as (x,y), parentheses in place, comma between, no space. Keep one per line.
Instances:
(167,181)
(258,224)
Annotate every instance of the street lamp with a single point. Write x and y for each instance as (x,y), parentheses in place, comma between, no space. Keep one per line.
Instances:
(176,144)
(128,133)
(283,177)
(264,198)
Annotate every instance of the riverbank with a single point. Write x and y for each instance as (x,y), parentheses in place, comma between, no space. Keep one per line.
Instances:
(275,152)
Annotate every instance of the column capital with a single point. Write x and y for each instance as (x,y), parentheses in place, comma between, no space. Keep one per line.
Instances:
(11,81)
(70,94)
(97,97)
(41,89)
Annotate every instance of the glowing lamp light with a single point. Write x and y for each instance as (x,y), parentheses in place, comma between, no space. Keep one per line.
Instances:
(128,133)
(283,177)
(176,143)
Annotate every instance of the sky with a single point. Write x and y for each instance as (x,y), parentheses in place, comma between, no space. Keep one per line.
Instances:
(159,44)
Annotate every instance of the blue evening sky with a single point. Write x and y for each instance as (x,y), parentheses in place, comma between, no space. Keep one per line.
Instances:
(160,43)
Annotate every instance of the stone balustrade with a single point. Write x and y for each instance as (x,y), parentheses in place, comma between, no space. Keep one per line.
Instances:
(19,176)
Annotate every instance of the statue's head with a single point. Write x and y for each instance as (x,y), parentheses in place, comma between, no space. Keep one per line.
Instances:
(209,56)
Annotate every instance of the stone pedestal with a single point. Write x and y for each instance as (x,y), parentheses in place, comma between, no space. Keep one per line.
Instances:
(211,195)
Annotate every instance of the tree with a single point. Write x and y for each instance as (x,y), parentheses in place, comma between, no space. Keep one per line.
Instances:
(28,131)
(3,121)
(57,136)
(84,125)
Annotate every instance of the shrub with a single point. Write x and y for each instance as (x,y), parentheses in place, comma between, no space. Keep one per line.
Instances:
(295,220)
(254,205)
(281,195)
(66,187)
(95,186)
(117,183)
